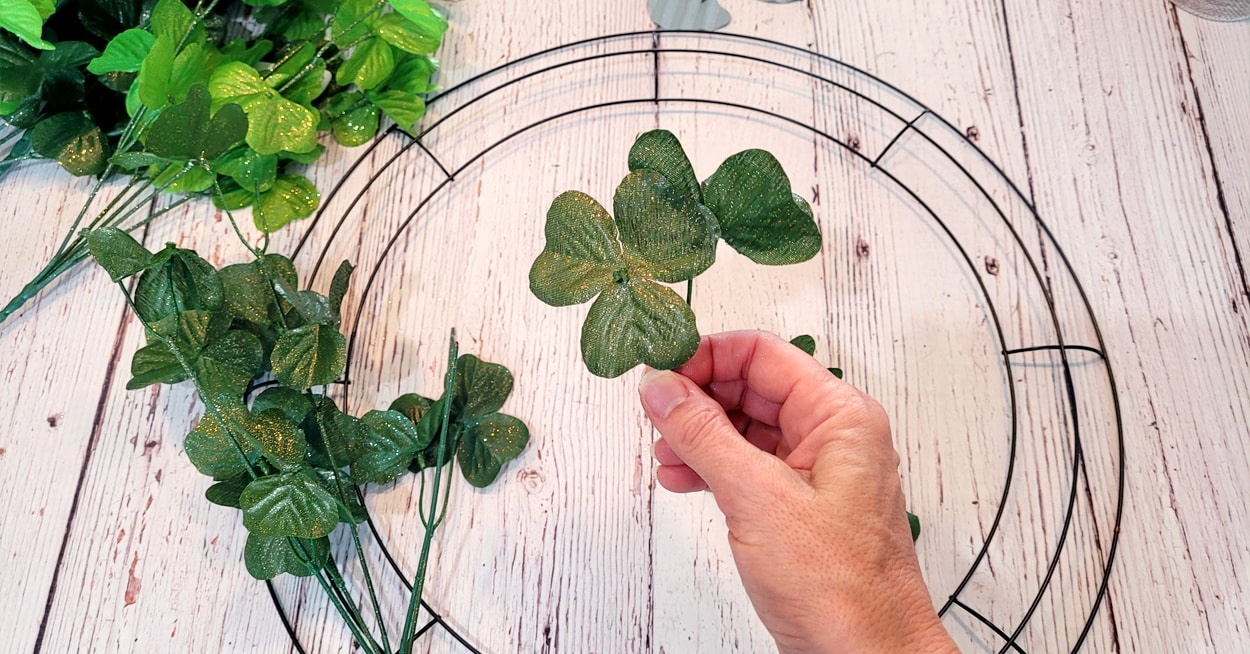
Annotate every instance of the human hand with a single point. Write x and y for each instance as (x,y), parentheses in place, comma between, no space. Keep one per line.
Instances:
(803,467)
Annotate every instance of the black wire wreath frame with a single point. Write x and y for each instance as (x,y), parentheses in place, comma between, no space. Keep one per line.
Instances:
(656,50)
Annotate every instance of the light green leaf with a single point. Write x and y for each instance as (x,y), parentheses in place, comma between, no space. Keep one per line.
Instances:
(371,62)
(582,256)
(759,215)
(291,197)
(136,160)
(278,124)
(267,558)
(117,252)
(289,504)
(659,150)
(357,126)
(666,234)
(407,35)
(239,83)
(349,24)
(391,441)
(423,16)
(280,441)
(253,171)
(152,85)
(402,107)
(412,75)
(22,18)
(312,355)
(172,19)
(123,54)
(73,141)
(805,343)
(487,443)
(638,322)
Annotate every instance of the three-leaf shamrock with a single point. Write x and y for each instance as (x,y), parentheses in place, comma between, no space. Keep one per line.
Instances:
(665,231)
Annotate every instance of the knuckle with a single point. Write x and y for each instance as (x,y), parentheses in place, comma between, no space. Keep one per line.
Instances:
(700,426)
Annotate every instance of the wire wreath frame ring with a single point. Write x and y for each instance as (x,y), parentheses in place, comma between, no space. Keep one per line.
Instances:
(913,120)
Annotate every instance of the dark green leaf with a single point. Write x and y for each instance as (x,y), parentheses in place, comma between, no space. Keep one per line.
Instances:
(280,441)
(805,343)
(429,428)
(185,131)
(487,443)
(481,387)
(240,50)
(73,141)
(154,364)
(391,442)
(659,150)
(836,372)
(22,18)
(247,292)
(291,197)
(18,83)
(117,252)
(178,280)
(289,504)
(413,406)
(124,53)
(914,522)
(338,437)
(582,255)
(107,18)
(226,493)
(240,350)
(312,355)
(668,235)
(267,558)
(68,55)
(341,485)
(759,215)
(339,285)
(638,322)
(292,403)
(211,447)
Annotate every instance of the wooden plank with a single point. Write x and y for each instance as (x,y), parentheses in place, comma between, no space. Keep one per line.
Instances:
(54,360)
(1114,164)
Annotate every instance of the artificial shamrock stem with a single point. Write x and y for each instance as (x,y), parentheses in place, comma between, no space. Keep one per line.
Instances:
(428,520)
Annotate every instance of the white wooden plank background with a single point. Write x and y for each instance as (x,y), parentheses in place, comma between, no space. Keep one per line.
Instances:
(1123,122)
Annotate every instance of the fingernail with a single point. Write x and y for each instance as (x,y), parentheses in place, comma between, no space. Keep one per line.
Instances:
(661,392)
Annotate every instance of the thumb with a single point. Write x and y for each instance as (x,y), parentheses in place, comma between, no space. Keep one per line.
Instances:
(697,429)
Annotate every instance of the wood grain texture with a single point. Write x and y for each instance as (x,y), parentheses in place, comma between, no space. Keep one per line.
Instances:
(1123,124)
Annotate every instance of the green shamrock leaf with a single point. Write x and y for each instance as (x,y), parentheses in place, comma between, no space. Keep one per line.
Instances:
(267,558)
(289,504)
(185,131)
(660,151)
(660,234)
(759,215)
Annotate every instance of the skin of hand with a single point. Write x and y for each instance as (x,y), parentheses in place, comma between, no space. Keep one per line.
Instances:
(805,471)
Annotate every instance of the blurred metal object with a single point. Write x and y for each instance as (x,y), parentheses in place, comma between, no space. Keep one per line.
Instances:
(1224,10)
(706,15)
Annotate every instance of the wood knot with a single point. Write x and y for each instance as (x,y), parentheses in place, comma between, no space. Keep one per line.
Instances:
(973,134)
(991,266)
(861,249)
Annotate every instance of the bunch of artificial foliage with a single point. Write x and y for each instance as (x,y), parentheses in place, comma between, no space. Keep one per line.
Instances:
(86,84)
(261,354)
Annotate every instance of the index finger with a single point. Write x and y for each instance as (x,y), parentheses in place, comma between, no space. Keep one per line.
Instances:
(768,379)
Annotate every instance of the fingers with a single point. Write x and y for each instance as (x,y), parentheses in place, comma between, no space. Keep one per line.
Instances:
(774,383)
(700,435)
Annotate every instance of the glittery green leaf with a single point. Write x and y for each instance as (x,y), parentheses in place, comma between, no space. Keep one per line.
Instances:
(638,322)
(659,150)
(582,254)
(267,558)
(289,504)
(487,443)
(759,215)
